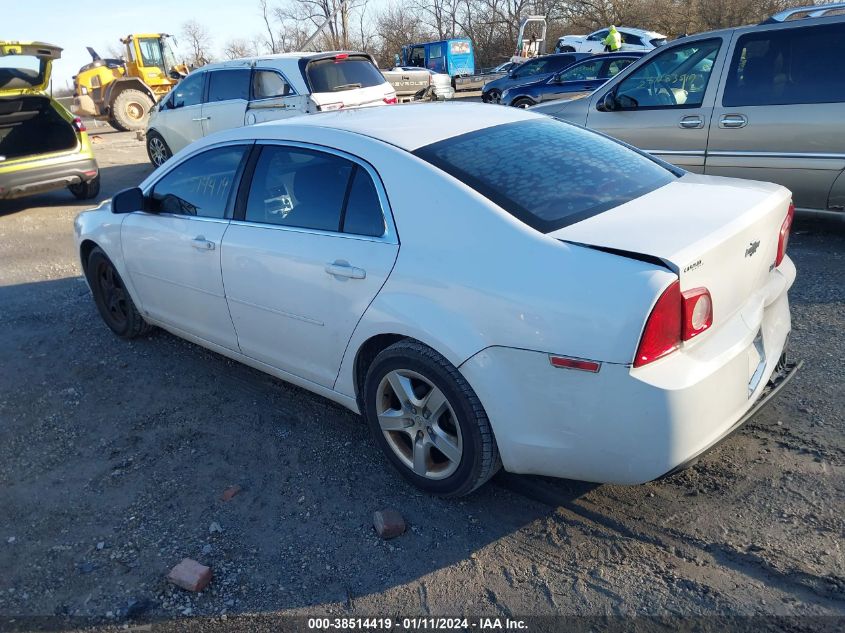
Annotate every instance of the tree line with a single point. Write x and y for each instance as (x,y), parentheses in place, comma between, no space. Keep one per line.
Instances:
(492,25)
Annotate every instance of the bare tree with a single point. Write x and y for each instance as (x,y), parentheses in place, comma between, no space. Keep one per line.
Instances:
(199,42)
(237,48)
(266,16)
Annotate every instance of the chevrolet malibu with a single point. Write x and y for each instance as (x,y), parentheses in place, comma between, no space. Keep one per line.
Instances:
(580,310)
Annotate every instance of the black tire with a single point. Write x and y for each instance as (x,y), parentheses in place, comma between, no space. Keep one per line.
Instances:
(130,110)
(522,103)
(479,457)
(112,299)
(158,150)
(86,190)
(494,96)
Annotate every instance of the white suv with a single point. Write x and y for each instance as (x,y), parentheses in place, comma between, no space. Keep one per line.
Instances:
(632,40)
(251,90)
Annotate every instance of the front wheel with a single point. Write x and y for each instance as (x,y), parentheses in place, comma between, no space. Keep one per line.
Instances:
(129,110)
(112,298)
(494,96)
(522,103)
(428,421)
(157,149)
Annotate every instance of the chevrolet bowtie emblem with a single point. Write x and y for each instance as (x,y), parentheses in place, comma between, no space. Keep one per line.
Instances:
(752,248)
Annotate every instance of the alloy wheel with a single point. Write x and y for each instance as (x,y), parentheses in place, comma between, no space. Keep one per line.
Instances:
(419,424)
(158,151)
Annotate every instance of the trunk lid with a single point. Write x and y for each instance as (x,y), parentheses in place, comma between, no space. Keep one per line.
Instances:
(25,66)
(717,233)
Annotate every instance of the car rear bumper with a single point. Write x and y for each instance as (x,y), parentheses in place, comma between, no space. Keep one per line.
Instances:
(37,179)
(628,426)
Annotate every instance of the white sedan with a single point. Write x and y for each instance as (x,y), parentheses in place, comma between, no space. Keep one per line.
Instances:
(576,309)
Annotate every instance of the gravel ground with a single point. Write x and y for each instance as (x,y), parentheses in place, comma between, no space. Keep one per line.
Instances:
(113,456)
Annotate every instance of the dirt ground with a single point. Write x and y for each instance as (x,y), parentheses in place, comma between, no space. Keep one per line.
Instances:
(113,456)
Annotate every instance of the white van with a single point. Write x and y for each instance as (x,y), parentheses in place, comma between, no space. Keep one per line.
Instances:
(255,89)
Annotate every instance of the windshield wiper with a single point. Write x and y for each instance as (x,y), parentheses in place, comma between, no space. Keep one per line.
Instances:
(345,87)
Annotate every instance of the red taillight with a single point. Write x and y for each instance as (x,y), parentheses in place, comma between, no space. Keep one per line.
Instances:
(662,333)
(676,317)
(78,124)
(698,312)
(390,100)
(575,363)
(340,56)
(783,238)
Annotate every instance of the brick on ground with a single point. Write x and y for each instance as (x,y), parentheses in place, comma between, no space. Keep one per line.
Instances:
(388,523)
(190,575)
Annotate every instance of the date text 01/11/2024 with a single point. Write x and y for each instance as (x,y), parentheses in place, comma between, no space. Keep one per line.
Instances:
(424,623)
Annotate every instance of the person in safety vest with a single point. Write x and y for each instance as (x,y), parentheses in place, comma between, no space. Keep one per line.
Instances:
(613,41)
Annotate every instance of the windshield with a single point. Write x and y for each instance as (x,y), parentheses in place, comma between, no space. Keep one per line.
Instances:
(151,53)
(546,173)
(21,71)
(336,75)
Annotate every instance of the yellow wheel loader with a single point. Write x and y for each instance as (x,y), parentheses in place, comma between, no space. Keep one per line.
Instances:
(122,91)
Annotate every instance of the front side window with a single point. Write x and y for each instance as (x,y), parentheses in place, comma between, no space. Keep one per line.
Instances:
(417,57)
(598,36)
(436,51)
(569,175)
(530,68)
(267,84)
(224,85)
(335,75)
(676,77)
(582,72)
(785,66)
(200,186)
(188,92)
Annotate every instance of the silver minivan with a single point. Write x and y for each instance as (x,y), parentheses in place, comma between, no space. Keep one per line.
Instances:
(764,102)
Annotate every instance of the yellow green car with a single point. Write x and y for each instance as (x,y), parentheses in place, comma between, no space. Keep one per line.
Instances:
(42,145)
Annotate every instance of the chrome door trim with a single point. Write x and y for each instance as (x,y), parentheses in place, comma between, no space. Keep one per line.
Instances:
(753,154)
(676,152)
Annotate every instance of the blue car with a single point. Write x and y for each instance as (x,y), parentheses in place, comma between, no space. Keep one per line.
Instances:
(535,69)
(580,77)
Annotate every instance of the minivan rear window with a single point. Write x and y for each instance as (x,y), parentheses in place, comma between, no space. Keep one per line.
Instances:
(547,173)
(336,75)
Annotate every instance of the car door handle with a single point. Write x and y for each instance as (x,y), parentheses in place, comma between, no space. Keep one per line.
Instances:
(733,121)
(692,122)
(343,269)
(202,244)
(202,118)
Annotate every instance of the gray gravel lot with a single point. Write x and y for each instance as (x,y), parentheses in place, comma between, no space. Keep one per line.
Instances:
(113,456)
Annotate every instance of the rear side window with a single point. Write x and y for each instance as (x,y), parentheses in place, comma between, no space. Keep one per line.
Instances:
(363,214)
(224,85)
(267,84)
(303,188)
(335,75)
(201,185)
(787,66)
(564,175)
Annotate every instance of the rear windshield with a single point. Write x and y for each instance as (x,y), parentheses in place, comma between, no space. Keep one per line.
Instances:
(20,71)
(335,75)
(546,173)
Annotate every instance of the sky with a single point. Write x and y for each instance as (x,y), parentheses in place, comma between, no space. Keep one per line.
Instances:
(100,23)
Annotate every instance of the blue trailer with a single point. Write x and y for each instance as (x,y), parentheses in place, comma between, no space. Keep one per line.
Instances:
(455,57)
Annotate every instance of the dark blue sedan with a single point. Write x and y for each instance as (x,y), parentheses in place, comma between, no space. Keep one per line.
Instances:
(533,70)
(581,77)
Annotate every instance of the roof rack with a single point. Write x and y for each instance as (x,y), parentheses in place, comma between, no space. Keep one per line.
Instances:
(814,11)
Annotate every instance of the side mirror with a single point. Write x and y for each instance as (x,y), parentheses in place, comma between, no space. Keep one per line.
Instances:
(128,200)
(608,103)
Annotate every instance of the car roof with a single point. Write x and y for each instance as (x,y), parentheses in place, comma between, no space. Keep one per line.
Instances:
(293,56)
(408,127)
(632,31)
